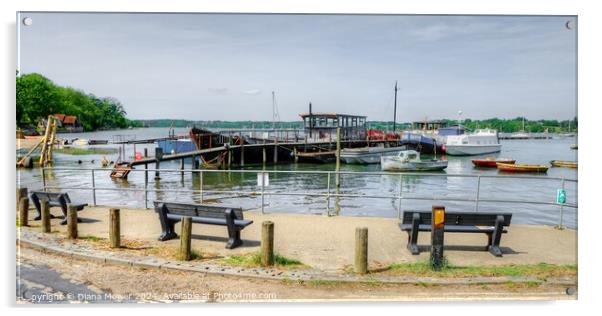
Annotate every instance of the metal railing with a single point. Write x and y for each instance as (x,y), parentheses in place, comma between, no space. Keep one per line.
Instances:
(328,194)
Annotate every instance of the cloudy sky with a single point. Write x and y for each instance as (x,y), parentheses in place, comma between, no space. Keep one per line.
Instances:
(212,66)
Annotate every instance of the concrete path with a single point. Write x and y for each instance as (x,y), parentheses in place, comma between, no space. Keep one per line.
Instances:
(327,243)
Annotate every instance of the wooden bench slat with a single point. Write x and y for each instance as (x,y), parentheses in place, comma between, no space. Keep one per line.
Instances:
(212,221)
(459,229)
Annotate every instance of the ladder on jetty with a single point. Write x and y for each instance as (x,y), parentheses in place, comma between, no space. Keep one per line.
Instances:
(47,144)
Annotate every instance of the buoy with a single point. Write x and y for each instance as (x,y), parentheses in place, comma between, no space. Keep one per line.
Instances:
(79,161)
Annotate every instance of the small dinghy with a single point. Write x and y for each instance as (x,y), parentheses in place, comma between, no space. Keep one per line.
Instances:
(563,163)
(409,160)
(510,167)
(491,162)
(121,170)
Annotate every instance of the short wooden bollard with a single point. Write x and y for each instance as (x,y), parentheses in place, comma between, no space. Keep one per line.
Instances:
(185,238)
(115,228)
(23,211)
(21,193)
(267,243)
(45,216)
(72,222)
(361,250)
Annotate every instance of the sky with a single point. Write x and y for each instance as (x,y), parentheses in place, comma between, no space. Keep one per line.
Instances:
(225,66)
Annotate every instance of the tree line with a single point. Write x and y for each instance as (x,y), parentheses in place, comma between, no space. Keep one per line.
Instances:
(502,125)
(37,97)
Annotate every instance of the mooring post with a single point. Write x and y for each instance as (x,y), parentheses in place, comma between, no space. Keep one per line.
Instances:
(361,250)
(242,151)
(267,243)
(437,229)
(182,168)
(276,150)
(23,211)
(158,157)
(45,216)
(72,221)
(21,192)
(264,153)
(115,228)
(338,164)
(295,153)
(185,238)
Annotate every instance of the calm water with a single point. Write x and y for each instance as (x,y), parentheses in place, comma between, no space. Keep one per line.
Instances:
(525,151)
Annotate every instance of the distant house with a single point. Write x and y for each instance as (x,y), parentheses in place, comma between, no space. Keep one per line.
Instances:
(68,123)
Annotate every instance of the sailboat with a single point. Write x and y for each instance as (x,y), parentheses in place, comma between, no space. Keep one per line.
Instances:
(521,134)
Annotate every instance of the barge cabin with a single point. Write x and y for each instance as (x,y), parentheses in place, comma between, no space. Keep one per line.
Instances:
(324,126)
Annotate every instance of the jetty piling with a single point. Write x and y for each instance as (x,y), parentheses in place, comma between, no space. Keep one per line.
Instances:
(115,228)
(361,250)
(267,243)
(45,216)
(158,157)
(23,211)
(338,163)
(72,221)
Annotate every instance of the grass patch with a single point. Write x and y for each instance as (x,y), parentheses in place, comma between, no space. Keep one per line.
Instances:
(194,255)
(541,270)
(85,151)
(254,261)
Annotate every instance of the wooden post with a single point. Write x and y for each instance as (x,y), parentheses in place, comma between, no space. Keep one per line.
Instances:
(338,163)
(264,154)
(45,216)
(158,157)
(23,210)
(267,243)
(21,193)
(361,250)
(182,167)
(242,151)
(276,150)
(115,228)
(185,238)
(295,153)
(72,222)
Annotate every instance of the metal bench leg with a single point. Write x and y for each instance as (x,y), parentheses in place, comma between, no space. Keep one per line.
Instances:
(233,231)
(495,238)
(36,203)
(167,226)
(413,235)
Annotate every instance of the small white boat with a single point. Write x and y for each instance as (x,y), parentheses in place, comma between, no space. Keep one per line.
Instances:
(409,160)
(483,141)
(80,142)
(367,155)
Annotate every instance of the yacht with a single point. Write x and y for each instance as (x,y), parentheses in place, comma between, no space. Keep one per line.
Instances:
(482,141)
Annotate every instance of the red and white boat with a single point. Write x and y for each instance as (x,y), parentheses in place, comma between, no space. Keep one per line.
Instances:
(491,162)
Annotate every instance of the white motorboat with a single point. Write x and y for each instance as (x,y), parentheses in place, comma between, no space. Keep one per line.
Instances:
(409,160)
(482,141)
(368,155)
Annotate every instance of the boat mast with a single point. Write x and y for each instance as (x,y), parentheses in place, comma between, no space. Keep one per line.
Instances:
(395,107)
(273,111)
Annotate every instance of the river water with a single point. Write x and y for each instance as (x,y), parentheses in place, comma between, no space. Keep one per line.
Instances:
(540,189)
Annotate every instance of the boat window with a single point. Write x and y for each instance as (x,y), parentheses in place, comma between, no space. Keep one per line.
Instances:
(412,156)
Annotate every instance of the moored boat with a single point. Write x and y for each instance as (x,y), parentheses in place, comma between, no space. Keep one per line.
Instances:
(319,156)
(510,167)
(409,160)
(574,146)
(563,163)
(368,155)
(491,162)
(484,141)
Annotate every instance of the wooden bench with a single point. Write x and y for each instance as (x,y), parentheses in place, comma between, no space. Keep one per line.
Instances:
(171,212)
(491,224)
(60,199)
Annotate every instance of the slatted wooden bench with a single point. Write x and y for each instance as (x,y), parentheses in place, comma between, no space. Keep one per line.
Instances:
(491,224)
(172,212)
(60,199)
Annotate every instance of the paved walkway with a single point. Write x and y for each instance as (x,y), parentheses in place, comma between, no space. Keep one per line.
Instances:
(327,243)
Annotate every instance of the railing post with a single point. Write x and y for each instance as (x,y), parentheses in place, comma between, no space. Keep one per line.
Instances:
(262,190)
(561,209)
(400,196)
(328,195)
(145,188)
(476,206)
(93,189)
(201,184)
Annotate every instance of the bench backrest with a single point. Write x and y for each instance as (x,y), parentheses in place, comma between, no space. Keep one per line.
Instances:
(52,196)
(199,210)
(459,218)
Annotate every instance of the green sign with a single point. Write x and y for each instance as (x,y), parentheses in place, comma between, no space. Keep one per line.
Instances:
(561,196)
